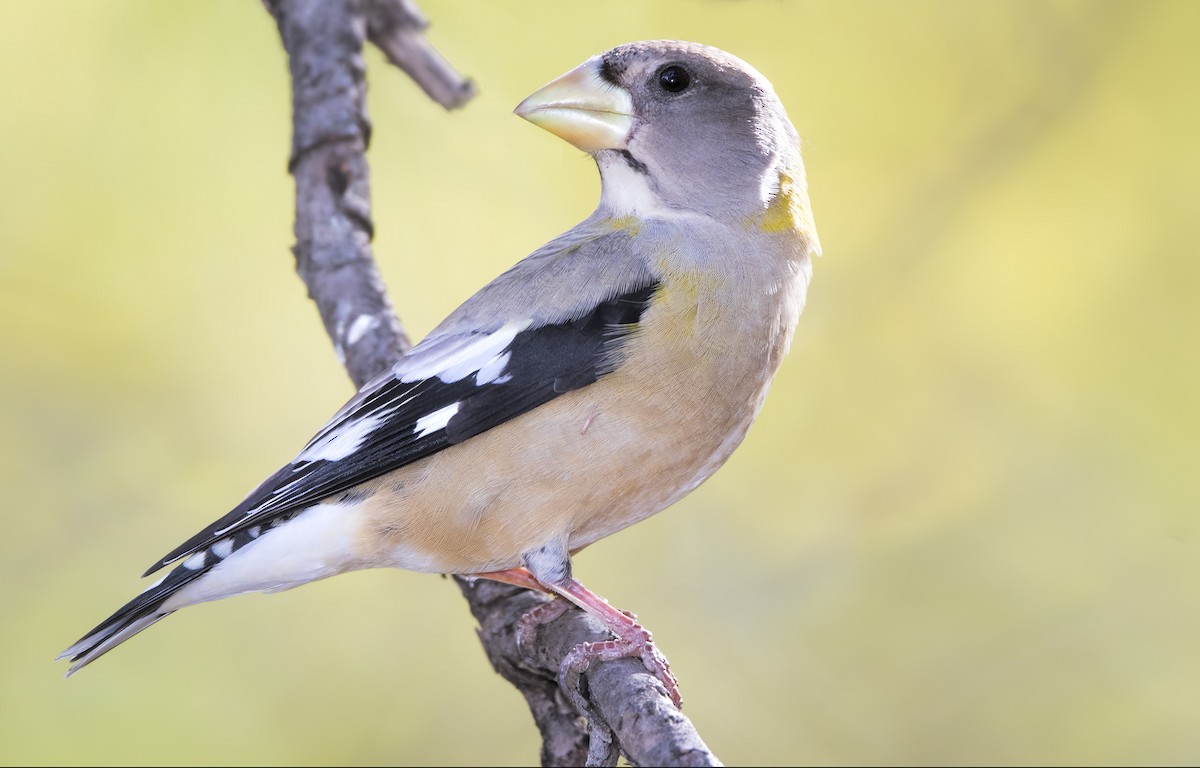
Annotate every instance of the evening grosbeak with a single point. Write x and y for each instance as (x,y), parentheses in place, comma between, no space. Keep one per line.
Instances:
(593,384)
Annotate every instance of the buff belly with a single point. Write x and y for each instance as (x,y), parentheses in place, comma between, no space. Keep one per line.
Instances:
(580,467)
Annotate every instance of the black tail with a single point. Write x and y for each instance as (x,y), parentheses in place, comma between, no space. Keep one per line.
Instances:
(133,617)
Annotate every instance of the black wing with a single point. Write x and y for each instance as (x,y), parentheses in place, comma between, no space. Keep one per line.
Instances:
(443,392)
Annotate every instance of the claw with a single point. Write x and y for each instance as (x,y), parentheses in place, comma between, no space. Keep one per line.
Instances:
(528,625)
(631,638)
(635,641)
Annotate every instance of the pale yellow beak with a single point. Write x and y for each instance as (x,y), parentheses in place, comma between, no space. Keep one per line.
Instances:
(582,108)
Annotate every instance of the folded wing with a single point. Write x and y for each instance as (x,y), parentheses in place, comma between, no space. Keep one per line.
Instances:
(446,390)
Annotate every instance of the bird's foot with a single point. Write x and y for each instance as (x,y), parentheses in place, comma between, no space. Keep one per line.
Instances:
(528,624)
(630,637)
(602,746)
(632,640)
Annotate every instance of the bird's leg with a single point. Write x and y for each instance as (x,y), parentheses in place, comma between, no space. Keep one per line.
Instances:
(518,577)
(602,748)
(631,639)
(545,613)
(549,570)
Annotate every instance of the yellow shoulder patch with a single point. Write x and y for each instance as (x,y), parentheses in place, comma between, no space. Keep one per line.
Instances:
(630,224)
(788,210)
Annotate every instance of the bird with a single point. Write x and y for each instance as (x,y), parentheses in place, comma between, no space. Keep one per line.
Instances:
(591,385)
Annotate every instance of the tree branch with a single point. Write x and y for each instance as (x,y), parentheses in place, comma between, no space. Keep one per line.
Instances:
(395,27)
(649,729)
(330,132)
(324,40)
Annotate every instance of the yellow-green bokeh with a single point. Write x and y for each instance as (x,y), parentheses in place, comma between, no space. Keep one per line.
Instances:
(964,529)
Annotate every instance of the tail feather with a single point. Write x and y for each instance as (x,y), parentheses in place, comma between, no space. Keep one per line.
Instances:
(108,637)
(131,618)
(148,607)
(283,553)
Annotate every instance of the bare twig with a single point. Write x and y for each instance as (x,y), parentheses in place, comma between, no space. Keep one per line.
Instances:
(395,27)
(324,40)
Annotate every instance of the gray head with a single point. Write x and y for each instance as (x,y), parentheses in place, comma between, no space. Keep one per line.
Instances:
(674,125)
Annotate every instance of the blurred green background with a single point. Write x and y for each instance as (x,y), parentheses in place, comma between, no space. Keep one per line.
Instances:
(964,529)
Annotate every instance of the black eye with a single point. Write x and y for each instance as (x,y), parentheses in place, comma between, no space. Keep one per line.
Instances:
(674,78)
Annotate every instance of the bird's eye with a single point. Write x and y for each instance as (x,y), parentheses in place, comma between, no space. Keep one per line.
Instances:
(674,78)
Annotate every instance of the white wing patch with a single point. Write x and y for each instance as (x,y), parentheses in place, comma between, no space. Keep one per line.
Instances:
(454,362)
(432,422)
(223,548)
(196,561)
(490,372)
(345,439)
(450,359)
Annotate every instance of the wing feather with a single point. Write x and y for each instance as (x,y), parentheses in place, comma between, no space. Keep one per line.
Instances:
(446,390)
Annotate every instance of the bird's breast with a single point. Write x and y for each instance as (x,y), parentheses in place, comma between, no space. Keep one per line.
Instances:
(592,461)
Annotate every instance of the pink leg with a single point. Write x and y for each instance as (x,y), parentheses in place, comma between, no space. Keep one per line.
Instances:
(518,577)
(545,613)
(631,638)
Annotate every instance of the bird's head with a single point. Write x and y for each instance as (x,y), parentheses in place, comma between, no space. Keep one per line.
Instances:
(675,126)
